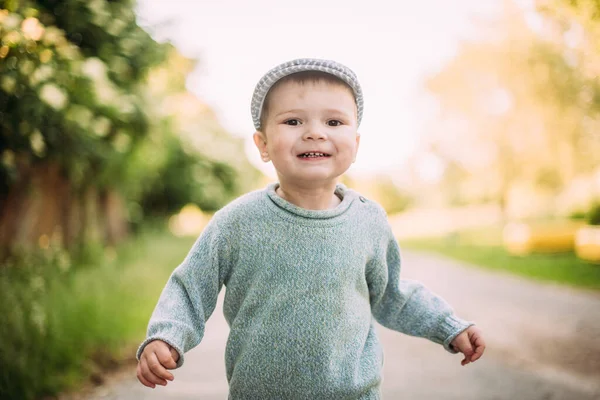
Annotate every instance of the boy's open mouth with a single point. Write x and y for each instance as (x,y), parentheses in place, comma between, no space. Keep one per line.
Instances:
(313,155)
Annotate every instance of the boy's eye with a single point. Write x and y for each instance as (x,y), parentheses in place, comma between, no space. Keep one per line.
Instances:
(292,122)
(334,122)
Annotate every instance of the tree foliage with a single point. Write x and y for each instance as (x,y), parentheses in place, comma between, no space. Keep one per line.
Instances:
(517,107)
(82,85)
(70,73)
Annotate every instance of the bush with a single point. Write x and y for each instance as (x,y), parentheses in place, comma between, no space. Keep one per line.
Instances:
(63,322)
(578,215)
(594,214)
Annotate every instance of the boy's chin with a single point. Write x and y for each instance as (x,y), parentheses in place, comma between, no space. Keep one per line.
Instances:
(314,180)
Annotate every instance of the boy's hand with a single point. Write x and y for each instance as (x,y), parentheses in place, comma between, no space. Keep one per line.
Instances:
(469,342)
(156,358)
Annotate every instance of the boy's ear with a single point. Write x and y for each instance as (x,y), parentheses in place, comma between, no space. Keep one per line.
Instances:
(357,145)
(260,140)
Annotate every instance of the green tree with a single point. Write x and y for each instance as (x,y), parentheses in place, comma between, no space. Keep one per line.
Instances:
(188,156)
(85,91)
(70,73)
(514,108)
(393,199)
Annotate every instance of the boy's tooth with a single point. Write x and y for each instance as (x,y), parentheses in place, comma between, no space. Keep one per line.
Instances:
(311,154)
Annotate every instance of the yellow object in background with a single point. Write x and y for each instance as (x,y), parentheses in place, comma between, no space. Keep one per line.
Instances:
(553,237)
(587,243)
(190,221)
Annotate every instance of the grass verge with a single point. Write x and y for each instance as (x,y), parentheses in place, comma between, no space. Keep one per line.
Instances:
(63,322)
(481,249)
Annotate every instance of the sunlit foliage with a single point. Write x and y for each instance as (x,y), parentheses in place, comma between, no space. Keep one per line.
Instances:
(70,73)
(519,106)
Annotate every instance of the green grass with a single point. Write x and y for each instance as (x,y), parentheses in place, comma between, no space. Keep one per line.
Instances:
(61,323)
(482,248)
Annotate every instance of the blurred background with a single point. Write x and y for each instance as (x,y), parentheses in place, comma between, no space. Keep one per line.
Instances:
(125,124)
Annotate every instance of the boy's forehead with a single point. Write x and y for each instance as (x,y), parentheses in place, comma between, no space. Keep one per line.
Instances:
(295,88)
(298,96)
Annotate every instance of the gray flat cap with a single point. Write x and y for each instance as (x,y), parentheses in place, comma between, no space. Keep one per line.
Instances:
(300,65)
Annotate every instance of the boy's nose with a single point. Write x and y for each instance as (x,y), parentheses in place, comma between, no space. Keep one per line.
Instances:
(314,132)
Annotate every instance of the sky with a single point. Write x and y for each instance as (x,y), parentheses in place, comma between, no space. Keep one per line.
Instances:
(393,46)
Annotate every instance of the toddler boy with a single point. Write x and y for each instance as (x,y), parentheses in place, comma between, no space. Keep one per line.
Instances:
(308,263)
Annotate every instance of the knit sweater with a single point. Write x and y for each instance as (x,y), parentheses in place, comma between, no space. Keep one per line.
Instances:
(302,290)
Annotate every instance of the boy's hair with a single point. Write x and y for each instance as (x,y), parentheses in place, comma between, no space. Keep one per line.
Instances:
(301,78)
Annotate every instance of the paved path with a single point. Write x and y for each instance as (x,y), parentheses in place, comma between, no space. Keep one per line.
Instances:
(543,344)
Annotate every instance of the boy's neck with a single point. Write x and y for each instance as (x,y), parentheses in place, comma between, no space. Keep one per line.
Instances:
(310,197)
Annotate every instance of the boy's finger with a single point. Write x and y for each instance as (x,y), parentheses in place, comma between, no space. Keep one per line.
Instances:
(153,370)
(465,347)
(175,355)
(143,380)
(166,360)
(466,360)
(150,377)
(479,344)
(157,367)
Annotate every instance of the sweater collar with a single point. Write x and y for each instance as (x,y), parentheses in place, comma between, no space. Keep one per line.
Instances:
(346,195)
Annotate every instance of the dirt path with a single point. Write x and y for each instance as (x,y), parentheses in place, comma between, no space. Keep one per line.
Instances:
(543,344)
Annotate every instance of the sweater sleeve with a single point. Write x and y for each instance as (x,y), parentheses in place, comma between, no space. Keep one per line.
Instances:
(407,306)
(190,295)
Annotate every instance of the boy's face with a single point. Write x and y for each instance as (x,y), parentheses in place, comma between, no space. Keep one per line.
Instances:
(310,132)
